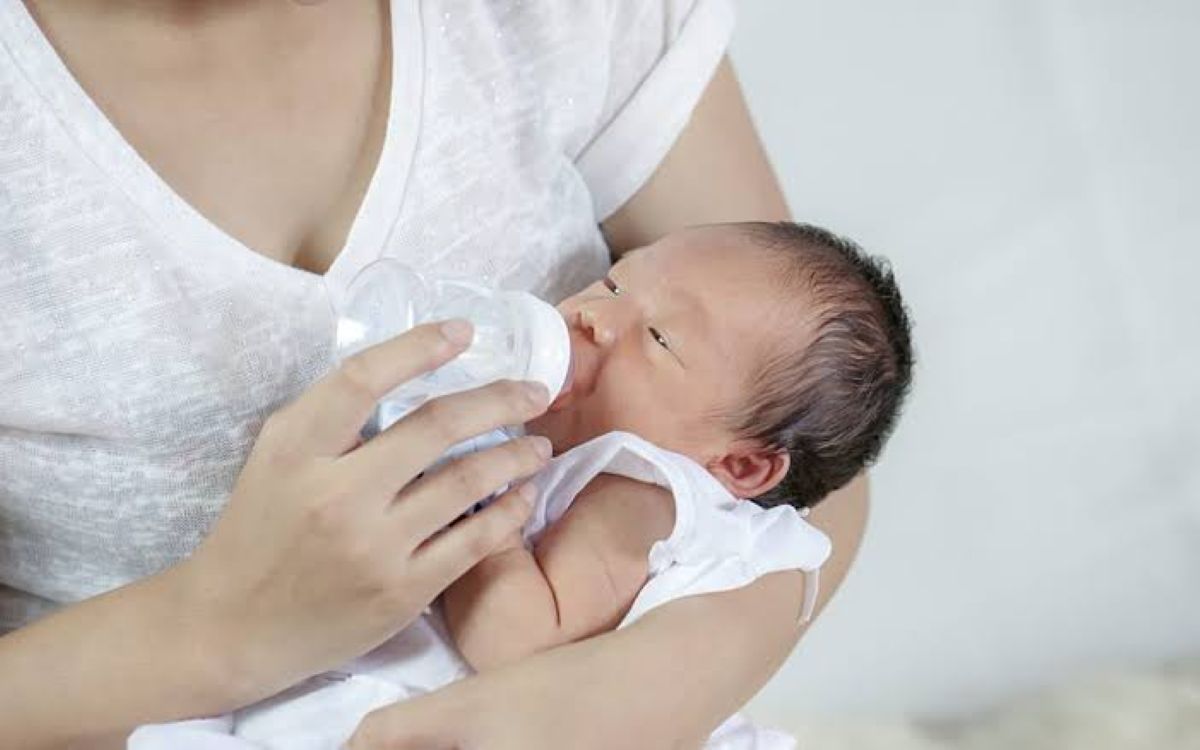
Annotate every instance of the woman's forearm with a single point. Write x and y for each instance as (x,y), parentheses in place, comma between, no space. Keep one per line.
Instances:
(697,661)
(132,656)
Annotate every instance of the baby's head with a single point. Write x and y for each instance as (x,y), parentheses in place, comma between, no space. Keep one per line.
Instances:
(775,355)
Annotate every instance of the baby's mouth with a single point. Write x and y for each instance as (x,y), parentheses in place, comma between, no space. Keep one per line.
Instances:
(568,385)
(582,370)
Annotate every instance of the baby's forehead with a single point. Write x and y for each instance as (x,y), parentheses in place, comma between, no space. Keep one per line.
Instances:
(754,302)
(726,259)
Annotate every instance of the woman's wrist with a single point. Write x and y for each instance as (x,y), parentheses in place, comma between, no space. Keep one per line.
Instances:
(144,653)
(209,638)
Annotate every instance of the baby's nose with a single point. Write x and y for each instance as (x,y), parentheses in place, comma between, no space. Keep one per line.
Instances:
(604,323)
(595,328)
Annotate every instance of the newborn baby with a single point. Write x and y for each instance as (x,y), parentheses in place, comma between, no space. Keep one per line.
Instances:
(724,378)
(773,356)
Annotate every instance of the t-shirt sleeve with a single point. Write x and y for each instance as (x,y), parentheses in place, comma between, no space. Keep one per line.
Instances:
(661,57)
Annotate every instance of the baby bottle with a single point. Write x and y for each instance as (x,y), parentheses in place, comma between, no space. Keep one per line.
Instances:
(517,336)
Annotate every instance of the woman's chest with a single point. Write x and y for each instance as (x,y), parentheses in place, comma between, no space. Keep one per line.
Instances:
(269,126)
(119,337)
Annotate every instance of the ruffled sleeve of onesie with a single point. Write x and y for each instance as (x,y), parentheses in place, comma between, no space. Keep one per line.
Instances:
(717,542)
(721,543)
(661,57)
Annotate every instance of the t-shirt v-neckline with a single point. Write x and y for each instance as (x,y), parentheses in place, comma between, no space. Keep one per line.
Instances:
(105,146)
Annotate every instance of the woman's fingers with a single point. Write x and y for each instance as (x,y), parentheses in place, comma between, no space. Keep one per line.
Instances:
(406,448)
(444,558)
(417,724)
(439,497)
(326,419)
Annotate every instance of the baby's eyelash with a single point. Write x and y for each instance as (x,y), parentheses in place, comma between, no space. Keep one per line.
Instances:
(660,339)
(612,286)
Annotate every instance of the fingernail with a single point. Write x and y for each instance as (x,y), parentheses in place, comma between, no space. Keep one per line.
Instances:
(542,446)
(537,394)
(457,332)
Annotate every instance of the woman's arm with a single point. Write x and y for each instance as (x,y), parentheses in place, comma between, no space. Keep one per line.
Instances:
(144,652)
(646,681)
(716,172)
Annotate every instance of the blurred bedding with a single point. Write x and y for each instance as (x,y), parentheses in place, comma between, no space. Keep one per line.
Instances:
(1151,710)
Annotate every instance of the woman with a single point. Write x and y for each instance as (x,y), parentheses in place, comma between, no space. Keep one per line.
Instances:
(186,189)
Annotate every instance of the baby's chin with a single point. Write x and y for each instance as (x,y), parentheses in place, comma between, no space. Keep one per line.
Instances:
(565,428)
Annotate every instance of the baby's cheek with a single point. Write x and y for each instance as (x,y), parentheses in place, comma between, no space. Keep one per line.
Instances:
(636,413)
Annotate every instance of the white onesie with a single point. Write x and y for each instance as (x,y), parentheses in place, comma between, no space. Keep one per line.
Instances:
(718,543)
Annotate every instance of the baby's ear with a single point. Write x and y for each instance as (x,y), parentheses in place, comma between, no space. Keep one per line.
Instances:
(748,469)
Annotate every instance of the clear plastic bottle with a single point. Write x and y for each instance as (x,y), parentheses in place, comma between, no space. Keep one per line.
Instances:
(517,336)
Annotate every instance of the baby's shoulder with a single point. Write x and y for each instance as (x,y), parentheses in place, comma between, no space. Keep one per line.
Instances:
(634,509)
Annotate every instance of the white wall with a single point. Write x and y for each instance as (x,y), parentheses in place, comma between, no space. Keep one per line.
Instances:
(1033,170)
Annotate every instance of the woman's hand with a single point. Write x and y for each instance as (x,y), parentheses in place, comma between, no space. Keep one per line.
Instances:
(328,546)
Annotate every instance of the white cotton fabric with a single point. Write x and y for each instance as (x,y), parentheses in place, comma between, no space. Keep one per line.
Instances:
(717,543)
(141,347)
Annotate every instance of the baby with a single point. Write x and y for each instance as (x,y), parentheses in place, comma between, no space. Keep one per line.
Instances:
(725,363)
(775,356)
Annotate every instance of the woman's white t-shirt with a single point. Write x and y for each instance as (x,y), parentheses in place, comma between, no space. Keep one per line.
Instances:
(141,347)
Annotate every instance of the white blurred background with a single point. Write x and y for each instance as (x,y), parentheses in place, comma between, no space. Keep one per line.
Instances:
(1032,168)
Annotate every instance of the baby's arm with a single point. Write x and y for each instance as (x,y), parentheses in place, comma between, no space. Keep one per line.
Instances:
(580,579)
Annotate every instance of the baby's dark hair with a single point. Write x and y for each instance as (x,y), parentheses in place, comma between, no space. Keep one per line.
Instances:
(833,402)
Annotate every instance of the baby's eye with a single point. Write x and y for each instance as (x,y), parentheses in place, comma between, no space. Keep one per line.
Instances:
(660,339)
(612,286)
